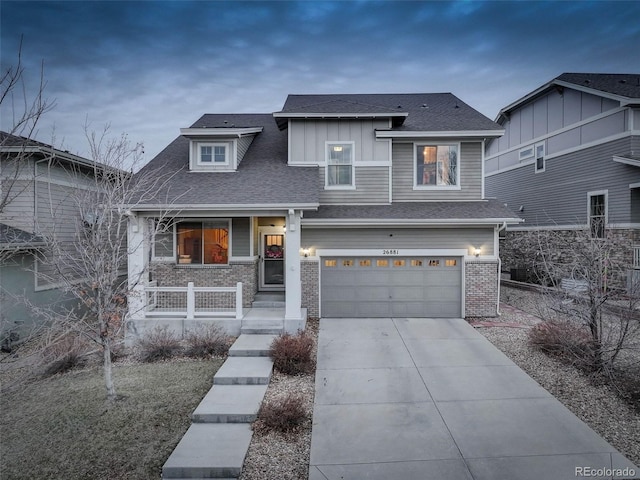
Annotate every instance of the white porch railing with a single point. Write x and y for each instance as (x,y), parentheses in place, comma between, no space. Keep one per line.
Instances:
(193,301)
(636,257)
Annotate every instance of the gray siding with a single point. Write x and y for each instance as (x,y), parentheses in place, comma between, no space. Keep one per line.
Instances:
(538,120)
(16,278)
(307,139)
(559,194)
(18,212)
(243,145)
(359,238)
(240,237)
(372,186)
(470,174)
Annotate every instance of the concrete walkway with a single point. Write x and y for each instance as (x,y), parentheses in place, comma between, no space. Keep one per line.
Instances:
(433,399)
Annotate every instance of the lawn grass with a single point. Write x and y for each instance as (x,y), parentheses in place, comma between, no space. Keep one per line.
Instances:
(62,427)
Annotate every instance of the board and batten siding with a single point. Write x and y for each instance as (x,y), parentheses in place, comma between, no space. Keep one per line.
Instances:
(470,165)
(558,196)
(307,140)
(372,186)
(549,113)
(399,238)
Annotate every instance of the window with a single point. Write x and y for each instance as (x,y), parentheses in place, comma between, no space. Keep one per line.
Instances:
(212,154)
(203,243)
(365,263)
(399,263)
(416,263)
(339,165)
(347,263)
(162,239)
(597,213)
(434,263)
(450,262)
(437,165)
(540,157)
(330,263)
(525,153)
(382,263)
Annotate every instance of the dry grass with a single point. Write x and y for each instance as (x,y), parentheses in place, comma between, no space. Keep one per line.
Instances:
(61,427)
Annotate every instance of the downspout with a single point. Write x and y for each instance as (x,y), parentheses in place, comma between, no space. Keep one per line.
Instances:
(504,225)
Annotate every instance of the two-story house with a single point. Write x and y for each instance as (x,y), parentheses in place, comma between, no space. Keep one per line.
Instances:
(350,205)
(570,160)
(39,190)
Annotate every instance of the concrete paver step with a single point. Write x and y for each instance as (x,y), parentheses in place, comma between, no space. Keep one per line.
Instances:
(248,345)
(230,404)
(209,450)
(244,371)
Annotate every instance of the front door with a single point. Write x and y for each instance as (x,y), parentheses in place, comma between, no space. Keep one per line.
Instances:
(272,260)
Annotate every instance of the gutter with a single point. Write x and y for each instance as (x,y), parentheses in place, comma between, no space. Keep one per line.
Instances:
(504,226)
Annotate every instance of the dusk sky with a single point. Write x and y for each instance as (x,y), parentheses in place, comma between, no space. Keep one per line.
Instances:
(149,68)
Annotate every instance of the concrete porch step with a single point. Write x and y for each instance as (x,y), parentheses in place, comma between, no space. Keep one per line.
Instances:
(209,450)
(251,345)
(230,404)
(244,371)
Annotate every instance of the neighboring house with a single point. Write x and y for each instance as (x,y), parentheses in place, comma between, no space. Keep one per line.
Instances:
(570,159)
(37,185)
(353,205)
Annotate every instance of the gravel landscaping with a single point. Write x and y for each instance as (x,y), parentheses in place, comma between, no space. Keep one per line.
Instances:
(594,402)
(278,456)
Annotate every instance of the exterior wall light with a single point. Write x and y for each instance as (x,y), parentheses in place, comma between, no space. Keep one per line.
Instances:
(476,251)
(305,252)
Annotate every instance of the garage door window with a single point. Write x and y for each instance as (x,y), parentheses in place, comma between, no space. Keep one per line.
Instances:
(330,263)
(434,263)
(347,263)
(399,263)
(382,263)
(416,263)
(450,262)
(365,263)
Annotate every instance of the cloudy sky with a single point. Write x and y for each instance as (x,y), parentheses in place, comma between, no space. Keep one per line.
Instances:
(149,68)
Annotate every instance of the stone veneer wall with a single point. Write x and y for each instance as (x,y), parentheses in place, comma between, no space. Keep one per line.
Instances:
(172,275)
(518,248)
(310,286)
(481,288)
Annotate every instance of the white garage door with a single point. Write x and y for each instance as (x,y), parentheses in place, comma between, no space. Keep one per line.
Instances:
(391,287)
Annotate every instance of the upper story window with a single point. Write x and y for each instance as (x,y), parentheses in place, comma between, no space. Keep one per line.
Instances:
(436,166)
(540,164)
(339,169)
(213,154)
(597,213)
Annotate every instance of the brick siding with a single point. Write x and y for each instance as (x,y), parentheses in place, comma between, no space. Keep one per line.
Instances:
(481,285)
(310,286)
(172,275)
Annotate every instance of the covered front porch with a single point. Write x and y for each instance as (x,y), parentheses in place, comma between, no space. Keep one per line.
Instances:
(175,281)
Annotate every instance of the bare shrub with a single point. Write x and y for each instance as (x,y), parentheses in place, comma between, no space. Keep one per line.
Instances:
(292,354)
(63,354)
(159,344)
(283,414)
(206,341)
(563,339)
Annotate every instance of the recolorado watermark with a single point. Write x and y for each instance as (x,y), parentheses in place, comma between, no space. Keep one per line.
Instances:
(627,472)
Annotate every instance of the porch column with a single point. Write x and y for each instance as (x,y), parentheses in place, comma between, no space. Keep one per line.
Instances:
(293,283)
(138,249)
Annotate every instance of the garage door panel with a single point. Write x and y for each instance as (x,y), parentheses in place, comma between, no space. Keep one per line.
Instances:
(391,286)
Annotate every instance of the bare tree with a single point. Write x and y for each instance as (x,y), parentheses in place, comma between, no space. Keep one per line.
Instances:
(87,256)
(25,112)
(592,287)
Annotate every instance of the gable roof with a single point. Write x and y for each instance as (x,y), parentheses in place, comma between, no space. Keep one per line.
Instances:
(263,178)
(623,87)
(424,112)
(15,239)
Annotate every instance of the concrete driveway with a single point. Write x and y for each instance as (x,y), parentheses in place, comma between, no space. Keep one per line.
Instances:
(433,399)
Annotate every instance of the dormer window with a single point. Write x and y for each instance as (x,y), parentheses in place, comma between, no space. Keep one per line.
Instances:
(213,154)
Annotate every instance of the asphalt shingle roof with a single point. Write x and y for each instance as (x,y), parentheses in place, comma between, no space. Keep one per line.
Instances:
(263,177)
(623,84)
(470,210)
(432,112)
(14,238)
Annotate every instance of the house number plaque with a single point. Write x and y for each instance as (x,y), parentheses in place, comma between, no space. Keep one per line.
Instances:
(391,251)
